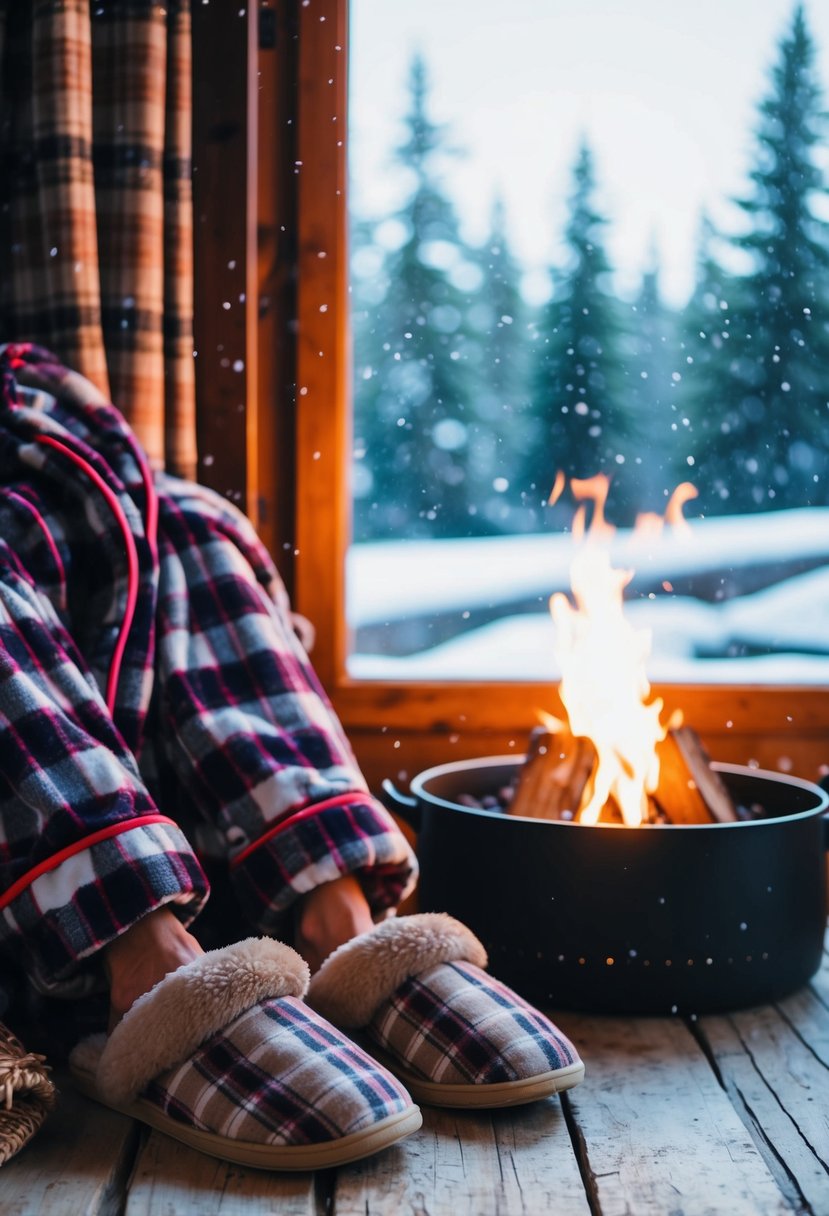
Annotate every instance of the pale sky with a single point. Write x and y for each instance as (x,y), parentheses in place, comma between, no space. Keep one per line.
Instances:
(665,91)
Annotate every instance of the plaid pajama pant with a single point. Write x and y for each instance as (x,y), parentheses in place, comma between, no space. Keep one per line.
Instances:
(153,694)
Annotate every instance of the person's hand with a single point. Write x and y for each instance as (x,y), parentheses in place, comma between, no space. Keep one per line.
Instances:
(328,916)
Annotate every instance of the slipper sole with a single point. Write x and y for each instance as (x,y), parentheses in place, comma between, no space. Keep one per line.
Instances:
(485,1095)
(329,1153)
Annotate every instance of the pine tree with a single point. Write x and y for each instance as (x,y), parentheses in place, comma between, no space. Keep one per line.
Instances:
(498,337)
(656,361)
(579,423)
(706,396)
(413,388)
(771,451)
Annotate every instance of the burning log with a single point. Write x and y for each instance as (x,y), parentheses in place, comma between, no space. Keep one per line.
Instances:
(689,790)
(554,776)
(556,779)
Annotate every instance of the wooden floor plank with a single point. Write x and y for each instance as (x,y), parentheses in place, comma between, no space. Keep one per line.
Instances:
(173,1180)
(780,1089)
(774,1063)
(518,1162)
(77,1163)
(659,1133)
(820,982)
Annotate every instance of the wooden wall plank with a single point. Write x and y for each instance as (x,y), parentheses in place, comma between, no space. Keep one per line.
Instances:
(660,1135)
(77,1163)
(516,1163)
(224,245)
(274,506)
(171,1178)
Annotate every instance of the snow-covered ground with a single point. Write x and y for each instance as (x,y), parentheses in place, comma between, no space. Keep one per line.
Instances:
(776,634)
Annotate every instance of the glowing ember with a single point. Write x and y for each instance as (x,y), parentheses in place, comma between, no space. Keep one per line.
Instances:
(604,686)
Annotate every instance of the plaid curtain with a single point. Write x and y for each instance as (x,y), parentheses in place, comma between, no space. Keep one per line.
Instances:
(96,203)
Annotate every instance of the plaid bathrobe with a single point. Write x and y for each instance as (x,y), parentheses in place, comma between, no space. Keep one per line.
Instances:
(154,698)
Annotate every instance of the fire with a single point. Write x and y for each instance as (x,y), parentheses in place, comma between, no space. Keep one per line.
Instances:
(604,686)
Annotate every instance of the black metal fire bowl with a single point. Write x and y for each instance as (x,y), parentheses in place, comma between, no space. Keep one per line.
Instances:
(655,919)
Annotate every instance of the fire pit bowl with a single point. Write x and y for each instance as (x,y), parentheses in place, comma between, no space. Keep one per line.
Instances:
(655,919)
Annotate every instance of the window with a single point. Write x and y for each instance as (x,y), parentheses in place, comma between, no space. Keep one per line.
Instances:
(777,725)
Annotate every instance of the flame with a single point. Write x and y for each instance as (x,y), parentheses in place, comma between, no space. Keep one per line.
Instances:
(604,686)
(683,493)
(558,489)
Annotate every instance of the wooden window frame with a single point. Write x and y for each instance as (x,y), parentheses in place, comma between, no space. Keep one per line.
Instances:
(400,727)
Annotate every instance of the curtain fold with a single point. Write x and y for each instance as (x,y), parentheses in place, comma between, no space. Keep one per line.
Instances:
(96,215)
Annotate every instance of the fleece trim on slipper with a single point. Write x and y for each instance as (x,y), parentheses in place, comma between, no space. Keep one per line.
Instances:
(360,975)
(166,1025)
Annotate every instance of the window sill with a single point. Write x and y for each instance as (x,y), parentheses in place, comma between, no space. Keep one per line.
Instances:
(400,728)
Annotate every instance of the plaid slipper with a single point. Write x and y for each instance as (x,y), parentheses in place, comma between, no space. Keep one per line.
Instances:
(415,988)
(225,1056)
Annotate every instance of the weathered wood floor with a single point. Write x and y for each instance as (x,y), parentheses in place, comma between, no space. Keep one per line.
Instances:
(720,1115)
